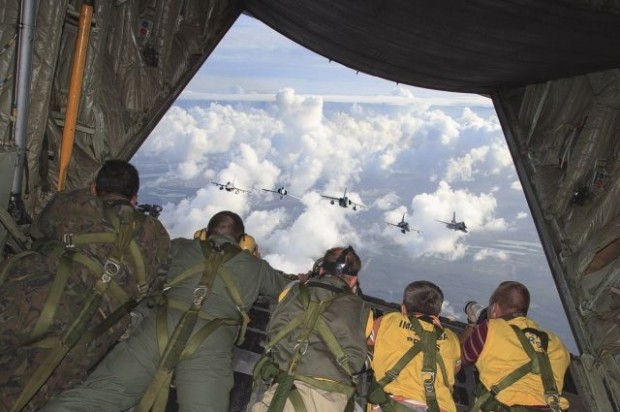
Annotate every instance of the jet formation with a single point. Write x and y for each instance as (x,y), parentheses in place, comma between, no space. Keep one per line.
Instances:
(345,202)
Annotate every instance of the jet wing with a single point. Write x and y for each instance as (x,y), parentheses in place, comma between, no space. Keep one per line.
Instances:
(356,205)
(331,198)
(236,189)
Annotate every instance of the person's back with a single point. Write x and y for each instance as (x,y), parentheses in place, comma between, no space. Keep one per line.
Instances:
(45,292)
(519,363)
(395,334)
(316,338)
(211,283)
(251,276)
(347,319)
(503,353)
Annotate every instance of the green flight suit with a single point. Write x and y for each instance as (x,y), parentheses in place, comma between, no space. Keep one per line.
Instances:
(24,293)
(203,381)
(318,366)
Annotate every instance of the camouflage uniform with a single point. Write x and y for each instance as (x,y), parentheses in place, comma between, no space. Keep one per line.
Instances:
(205,378)
(29,281)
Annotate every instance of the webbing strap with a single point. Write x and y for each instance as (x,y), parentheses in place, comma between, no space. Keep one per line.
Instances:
(125,233)
(8,265)
(539,365)
(278,401)
(313,310)
(308,321)
(69,339)
(334,346)
(53,298)
(428,346)
(187,273)
(296,400)
(178,342)
(234,294)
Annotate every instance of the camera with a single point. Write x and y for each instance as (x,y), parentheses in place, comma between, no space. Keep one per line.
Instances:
(151,210)
(476,313)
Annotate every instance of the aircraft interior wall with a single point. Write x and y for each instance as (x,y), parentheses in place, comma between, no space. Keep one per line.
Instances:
(141,54)
(564,138)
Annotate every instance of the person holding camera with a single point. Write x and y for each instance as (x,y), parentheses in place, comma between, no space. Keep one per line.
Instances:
(520,364)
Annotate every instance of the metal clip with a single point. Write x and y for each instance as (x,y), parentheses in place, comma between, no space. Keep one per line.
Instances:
(553,400)
(301,347)
(199,295)
(429,383)
(110,270)
(67,239)
(143,289)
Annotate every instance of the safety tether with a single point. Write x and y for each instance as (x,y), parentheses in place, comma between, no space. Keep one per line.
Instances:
(307,321)
(427,345)
(539,364)
(181,343)
(124,233)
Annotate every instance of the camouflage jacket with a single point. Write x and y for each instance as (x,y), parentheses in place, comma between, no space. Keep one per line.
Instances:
(29,281)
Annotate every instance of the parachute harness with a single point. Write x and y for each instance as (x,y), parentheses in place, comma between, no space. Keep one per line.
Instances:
(182,344)
(307,321)
(122,239)
(427,345)
(539,364)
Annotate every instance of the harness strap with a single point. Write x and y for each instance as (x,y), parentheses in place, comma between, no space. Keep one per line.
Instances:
(539,365)
(234,294)
(53,298)
(125,232)
(427,345)
(308,321)
(8,265)
(180,343)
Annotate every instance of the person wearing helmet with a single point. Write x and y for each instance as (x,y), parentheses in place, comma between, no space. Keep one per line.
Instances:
(317,340)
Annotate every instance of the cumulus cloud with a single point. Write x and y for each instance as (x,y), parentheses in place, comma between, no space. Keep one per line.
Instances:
(488,253)
(516,185)
(296,141)
(522,215)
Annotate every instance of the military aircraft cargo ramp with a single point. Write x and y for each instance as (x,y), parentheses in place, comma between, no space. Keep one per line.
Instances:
(551,69)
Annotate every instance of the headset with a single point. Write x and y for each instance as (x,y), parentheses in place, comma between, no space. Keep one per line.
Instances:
(339,267)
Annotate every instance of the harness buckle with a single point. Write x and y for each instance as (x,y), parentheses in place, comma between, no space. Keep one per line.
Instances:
(429,382)
(494,390)
(391,374)
(110,270)
(143,289)
(199,295)
(303,345)
(67,239)
(553,400)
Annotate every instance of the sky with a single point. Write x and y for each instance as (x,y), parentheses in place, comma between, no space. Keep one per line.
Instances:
(263,113)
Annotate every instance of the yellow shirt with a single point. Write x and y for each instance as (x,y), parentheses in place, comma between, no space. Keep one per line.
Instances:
(502,353)
(393,338)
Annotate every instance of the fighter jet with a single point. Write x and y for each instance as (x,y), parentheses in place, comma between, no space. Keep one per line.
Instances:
(403,226)
(229,187)
(454,225)
(282,191)
(343,201)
